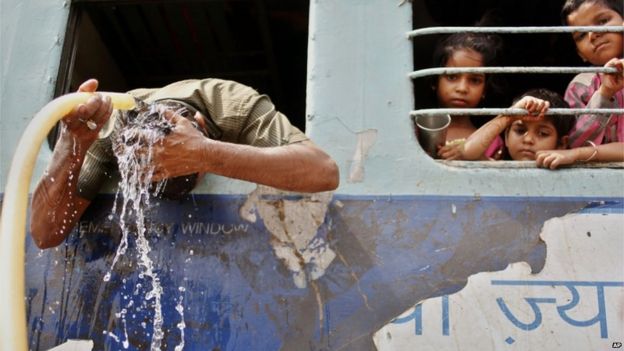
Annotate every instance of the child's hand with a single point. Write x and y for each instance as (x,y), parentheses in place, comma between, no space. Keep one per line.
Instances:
(451,151)
(536,107)
(614,82)
(555,158)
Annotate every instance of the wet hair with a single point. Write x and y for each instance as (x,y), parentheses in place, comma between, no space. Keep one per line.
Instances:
(562,123)
(573,5)
(177,187)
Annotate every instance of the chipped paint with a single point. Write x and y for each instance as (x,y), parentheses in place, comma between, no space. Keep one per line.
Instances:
(293,225)
(365,141)
(575,303)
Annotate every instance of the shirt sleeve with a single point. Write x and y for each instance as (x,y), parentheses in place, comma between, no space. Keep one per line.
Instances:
(587,126)
(495,149)
(266,127)
(99,164)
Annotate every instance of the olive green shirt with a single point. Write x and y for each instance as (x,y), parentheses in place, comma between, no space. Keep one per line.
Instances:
(241,114)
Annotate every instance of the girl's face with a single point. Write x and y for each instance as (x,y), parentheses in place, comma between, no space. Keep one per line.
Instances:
(462,90)
(524,138)
(597,48)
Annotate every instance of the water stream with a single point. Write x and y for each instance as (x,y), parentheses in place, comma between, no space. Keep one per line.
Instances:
(137,132)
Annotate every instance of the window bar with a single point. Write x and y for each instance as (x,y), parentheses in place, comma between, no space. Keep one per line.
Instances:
(513,30)
(513,111)
(548,70)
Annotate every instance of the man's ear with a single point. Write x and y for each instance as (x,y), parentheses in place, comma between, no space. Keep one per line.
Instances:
(563,143)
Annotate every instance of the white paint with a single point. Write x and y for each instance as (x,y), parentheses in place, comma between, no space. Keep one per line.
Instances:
(293,225)
(365,141)
(581,248)
(74,345)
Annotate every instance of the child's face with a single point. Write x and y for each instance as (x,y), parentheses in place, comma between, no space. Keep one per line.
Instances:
(597,48)
(524,138)
(462,90)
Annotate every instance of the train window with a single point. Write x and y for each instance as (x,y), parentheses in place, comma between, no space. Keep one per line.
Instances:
(535,54)
(133,44)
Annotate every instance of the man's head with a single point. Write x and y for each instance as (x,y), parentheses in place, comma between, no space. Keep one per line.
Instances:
(595,47)
(524,138)
(154,115)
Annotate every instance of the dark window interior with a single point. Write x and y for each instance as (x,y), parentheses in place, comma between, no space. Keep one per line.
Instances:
(133,44)
(552,49)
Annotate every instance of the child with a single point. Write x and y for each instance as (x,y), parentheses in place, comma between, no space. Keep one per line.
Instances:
(524,136)
(466,90)
(597,90)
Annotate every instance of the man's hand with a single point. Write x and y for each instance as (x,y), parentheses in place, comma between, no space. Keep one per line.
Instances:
(179,152)
(86,120)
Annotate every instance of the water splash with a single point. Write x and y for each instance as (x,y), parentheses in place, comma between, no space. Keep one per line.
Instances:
(132,144)
(182,325)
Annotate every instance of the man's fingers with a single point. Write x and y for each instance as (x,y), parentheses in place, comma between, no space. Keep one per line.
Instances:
(88,86)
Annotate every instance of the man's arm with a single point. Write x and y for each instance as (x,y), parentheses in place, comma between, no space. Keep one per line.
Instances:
(56,206)
(299,166)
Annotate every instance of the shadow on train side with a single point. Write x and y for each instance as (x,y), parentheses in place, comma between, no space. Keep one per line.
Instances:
(387,253)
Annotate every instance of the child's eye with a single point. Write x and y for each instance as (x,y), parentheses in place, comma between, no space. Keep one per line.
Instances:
(602,20)
(520,130)
(579,36)
(544,133)
(451,77)
(476,80)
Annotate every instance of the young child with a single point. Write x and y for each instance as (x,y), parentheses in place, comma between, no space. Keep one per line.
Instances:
(524,136)
(466,90)
(597,90)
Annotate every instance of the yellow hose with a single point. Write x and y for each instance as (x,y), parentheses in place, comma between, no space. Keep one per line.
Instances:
(13,335)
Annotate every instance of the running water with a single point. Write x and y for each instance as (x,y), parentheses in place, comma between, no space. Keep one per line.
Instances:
(132,143)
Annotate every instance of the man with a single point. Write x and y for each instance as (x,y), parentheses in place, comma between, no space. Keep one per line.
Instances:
(247,139)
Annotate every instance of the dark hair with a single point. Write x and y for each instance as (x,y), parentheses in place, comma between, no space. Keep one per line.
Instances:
(562,123)
(573,5)
(488,45)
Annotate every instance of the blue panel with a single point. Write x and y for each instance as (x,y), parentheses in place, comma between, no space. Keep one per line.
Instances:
(391,252)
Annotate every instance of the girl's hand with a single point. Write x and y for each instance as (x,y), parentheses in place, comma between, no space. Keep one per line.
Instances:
(555,158)
(452,151)
(614,82)
(536,108)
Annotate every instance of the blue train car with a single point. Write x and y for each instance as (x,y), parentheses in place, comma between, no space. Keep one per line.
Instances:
(246,267)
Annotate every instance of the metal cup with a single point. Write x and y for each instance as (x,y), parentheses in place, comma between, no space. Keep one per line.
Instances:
(431,132)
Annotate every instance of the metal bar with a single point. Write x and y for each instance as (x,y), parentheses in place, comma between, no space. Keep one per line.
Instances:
(513,111)
(513,30)
(523,164)
(486,70)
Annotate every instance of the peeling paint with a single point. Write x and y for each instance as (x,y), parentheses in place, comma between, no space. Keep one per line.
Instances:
(293,224)
(574,303)
(365,141)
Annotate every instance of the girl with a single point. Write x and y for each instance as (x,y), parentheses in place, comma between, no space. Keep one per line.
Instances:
(597,90)
(466,90)
(524,136)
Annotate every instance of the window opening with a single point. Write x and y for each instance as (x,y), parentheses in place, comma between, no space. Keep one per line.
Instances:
(128,44)
(424,98)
